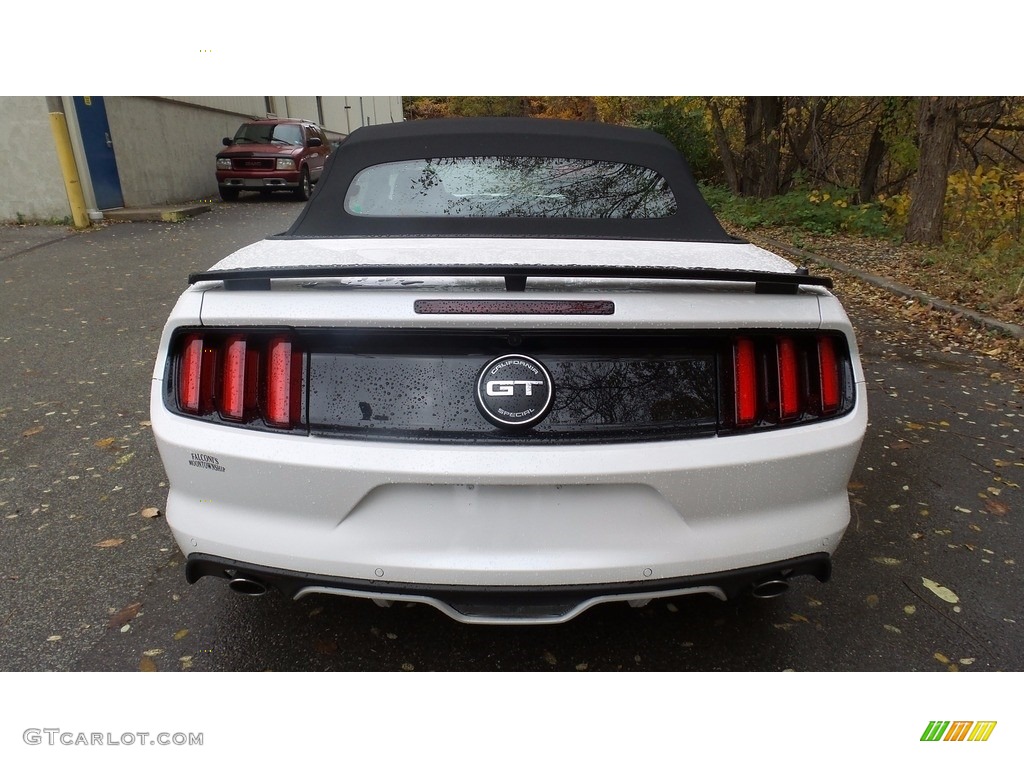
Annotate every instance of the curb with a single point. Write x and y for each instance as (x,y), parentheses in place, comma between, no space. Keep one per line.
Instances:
(171,213)
(991,323)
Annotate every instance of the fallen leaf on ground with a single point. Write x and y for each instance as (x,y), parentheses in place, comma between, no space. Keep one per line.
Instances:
(33,431)
(887,560)
(147,665)
(940,591)
(180,634)
(125,615)
(328,646)
(104,443)
(150,512)
(996,507)
(107,543)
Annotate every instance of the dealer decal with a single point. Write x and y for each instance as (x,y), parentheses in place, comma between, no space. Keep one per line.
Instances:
(205,461)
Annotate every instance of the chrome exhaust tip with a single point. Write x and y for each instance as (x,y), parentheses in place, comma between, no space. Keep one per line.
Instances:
(245,586)
(770,588)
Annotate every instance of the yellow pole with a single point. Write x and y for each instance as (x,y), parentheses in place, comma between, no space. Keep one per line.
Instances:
(68,167)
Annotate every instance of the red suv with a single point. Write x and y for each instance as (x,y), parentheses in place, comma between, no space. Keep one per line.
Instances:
(269,155)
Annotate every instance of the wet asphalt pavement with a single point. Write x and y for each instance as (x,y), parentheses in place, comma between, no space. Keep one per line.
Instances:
(927,577)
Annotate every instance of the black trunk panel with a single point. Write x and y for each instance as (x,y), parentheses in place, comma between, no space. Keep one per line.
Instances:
(421,386)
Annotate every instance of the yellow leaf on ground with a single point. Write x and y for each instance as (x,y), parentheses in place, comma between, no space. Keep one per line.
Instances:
(940,591)
(104,443)
(107,543)
(147,665)
(33,431)
(180,634)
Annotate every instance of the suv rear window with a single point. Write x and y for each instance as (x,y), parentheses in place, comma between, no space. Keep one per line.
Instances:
(510,187)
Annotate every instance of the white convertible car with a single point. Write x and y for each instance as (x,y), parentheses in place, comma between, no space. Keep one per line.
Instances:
(511,369)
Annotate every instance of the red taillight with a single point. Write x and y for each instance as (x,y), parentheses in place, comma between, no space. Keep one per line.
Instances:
(828,366)
(789,381)
(252,378)
(232,390)
(189,373)
(241,377)
(783,379)
(745,377)
(280,387)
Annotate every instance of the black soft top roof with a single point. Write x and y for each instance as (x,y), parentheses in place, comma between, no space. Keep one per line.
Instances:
(325,215)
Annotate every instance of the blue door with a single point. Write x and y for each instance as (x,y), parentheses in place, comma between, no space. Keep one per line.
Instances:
(99,151)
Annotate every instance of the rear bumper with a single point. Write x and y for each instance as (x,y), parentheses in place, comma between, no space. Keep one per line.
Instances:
(512,605)
(517,517)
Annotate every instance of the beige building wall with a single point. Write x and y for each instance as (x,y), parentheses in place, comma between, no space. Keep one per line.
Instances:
(165,148)
(31,183)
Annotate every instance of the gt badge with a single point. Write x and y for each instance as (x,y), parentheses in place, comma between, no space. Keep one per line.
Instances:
(514,392)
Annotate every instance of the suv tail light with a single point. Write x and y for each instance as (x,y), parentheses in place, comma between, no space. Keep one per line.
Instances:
(255,379)
(781,379)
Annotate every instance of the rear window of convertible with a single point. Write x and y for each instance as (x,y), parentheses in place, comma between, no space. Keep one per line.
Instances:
(510,187)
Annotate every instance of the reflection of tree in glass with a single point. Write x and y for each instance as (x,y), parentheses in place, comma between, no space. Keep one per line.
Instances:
(605,392)
(531,187)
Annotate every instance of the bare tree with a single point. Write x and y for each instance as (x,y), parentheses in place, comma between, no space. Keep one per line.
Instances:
(936,131)
(722,142)
(762,147)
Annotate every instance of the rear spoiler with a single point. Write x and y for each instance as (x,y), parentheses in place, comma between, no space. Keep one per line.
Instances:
(515,276)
